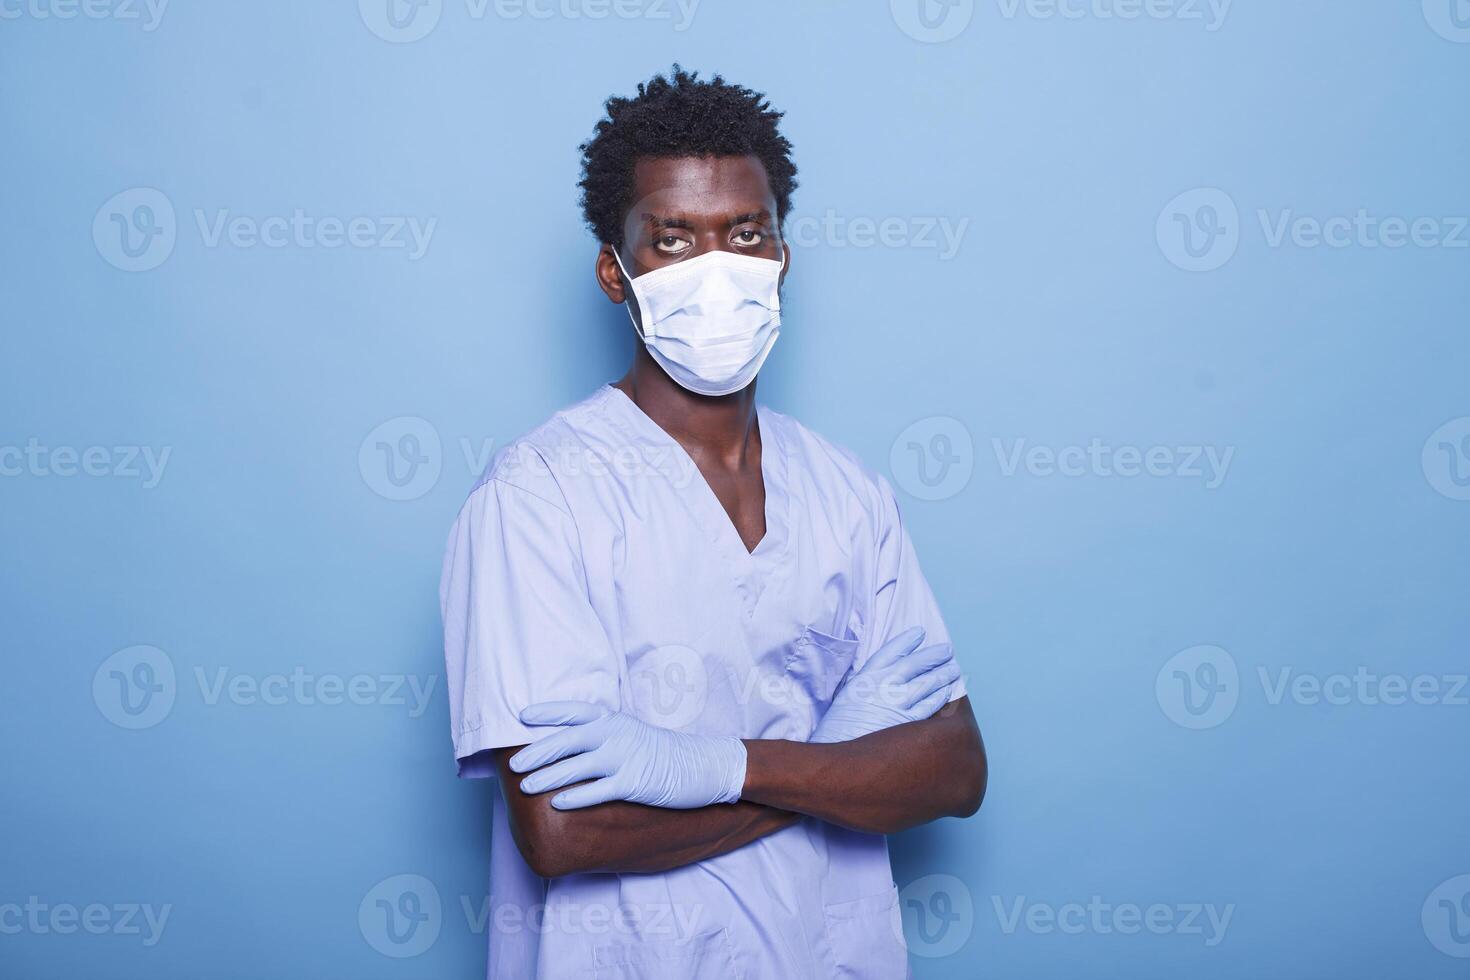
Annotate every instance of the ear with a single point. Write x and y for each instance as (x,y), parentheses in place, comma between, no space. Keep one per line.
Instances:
(785,262)
(609,276)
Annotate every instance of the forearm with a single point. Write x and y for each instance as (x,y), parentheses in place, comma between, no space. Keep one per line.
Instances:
(627,837)
(881,783)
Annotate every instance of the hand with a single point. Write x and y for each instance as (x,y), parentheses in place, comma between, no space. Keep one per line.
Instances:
(635,761)
(899,683)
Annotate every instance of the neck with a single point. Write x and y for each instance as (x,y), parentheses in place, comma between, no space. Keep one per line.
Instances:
(722,427)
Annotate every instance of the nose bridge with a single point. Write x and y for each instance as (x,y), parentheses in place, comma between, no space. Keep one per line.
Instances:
(712,238)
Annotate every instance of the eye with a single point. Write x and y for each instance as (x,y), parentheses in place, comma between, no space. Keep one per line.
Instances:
(671,244)
(748,237)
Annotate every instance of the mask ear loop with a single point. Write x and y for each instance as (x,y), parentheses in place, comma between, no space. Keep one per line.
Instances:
(631,298)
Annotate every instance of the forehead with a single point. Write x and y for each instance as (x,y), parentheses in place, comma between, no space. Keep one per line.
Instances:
(715,187)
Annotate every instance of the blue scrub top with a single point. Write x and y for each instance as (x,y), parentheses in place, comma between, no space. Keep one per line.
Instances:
(592,562)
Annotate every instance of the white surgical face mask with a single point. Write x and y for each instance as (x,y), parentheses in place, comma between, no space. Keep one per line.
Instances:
(711,320)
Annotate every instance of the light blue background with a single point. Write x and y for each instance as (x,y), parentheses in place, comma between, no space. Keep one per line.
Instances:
(266,546)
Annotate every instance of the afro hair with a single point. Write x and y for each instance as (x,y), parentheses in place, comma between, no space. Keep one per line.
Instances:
(673,116)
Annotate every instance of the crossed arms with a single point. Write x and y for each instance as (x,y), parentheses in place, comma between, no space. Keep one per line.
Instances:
(888,755)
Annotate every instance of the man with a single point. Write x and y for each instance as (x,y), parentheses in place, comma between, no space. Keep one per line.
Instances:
(689,636)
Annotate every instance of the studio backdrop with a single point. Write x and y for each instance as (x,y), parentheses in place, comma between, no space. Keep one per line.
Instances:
(1153,312)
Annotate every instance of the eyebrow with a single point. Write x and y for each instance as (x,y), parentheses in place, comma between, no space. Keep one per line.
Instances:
(657,223)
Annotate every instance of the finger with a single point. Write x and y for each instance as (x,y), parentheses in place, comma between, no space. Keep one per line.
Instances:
(922,660)
(927,707)
(558,745)
(924,685)
(588,794)
(899,646)
(577,769)
(561,713)
(932,680)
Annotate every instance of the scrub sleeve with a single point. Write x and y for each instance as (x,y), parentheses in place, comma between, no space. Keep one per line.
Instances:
(518,626)
(902,598)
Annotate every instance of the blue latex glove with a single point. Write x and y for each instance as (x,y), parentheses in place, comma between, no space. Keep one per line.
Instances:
(629,759)
(899,683)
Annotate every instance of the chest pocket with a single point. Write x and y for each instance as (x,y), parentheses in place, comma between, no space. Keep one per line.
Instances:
(816,664)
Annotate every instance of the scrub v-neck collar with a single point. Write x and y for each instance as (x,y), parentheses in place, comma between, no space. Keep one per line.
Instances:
(749,567)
